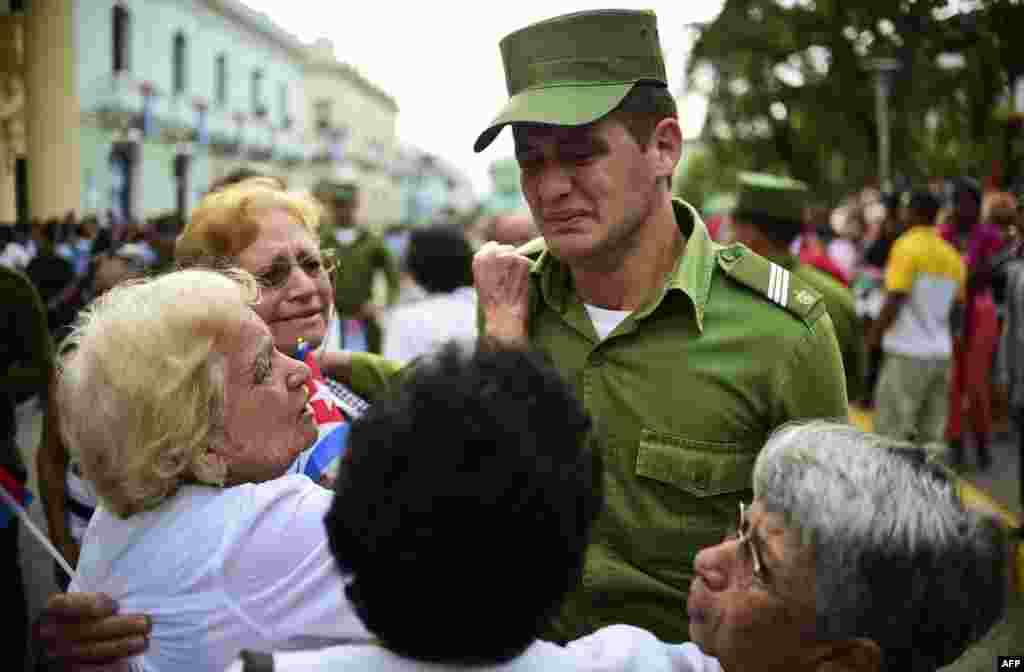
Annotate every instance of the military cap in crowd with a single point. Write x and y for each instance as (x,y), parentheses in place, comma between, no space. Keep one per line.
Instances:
(771,196)
(574,69)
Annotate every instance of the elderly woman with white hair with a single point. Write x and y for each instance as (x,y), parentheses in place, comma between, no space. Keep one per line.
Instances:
(186,418)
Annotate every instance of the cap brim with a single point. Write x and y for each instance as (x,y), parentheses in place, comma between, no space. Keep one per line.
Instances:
(570,105)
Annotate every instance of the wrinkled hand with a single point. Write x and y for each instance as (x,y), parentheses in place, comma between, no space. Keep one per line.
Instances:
(502,278)
(83,629)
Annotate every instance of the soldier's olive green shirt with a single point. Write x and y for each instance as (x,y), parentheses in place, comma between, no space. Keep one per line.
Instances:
(843,312)
(355,266)
(684,392)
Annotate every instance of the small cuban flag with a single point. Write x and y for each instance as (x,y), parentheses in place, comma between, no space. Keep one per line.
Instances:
(14,497)
(321,459)
(17,491)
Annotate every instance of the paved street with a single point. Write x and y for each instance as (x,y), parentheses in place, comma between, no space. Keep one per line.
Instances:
(1000,482)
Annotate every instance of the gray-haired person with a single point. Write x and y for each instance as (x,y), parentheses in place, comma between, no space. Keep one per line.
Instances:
(855,554)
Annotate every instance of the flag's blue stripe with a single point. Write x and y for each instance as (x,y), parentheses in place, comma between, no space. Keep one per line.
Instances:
(329,448)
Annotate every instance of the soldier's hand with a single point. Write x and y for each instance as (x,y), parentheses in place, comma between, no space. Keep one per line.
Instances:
(502,278)
(83,629)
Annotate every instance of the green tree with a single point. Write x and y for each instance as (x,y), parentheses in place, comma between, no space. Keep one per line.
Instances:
(788,85)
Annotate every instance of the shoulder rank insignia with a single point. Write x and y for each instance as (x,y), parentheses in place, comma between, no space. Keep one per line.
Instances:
(772,281)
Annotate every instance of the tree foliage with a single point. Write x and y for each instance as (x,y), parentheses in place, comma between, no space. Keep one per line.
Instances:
(789,88)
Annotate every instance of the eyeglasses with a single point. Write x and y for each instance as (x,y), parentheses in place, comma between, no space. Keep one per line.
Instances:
(748,546)
(277,275)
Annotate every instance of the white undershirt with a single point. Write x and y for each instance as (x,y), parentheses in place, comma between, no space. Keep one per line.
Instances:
(605,320)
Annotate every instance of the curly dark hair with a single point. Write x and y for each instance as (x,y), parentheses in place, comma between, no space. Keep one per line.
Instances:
(465,504)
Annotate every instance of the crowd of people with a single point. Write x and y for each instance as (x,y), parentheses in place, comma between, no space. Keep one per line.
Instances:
(918,283)
(649,422)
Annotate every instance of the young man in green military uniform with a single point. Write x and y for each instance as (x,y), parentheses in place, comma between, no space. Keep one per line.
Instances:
(768,217)
(687,353)
(359,254)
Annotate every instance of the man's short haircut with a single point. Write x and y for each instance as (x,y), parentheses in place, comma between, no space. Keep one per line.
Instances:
(898,559)
(464,507)
(643,108)
(924,205)
(440,259)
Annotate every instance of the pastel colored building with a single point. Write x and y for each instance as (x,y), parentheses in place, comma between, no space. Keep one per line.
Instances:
(131,109)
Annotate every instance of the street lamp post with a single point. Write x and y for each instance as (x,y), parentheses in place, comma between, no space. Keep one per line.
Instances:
(883,70)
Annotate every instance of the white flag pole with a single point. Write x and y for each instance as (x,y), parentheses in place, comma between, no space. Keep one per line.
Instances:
(15,506)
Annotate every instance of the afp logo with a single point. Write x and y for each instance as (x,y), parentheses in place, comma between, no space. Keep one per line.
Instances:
(1011,663)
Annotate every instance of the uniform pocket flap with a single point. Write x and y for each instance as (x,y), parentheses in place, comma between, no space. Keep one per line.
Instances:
(702,468)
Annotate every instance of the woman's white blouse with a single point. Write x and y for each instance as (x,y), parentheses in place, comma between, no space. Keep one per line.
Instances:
(219,570)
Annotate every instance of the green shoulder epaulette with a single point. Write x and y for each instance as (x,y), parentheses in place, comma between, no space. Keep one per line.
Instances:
(772,281)
(533,249)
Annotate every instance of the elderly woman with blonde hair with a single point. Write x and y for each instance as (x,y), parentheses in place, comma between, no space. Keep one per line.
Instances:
(186,418)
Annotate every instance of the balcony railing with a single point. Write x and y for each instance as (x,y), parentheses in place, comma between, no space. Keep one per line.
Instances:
(259,140)
(116,100)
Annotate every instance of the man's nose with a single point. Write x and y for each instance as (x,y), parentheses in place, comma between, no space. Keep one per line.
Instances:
(713,564)
(554,181)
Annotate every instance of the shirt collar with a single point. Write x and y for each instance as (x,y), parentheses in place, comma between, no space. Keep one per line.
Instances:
(691,275)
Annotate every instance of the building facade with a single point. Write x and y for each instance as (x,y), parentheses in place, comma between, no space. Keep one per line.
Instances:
(130,108)
(176,94)
(352,135)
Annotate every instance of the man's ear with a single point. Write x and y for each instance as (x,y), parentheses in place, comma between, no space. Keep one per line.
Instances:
(850,655)
(666,144)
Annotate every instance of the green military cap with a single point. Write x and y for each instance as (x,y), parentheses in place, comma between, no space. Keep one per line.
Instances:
(774,196)
(574,69)
(331,190)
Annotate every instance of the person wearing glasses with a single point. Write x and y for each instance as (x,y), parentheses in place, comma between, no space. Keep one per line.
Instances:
(856,554)
(261,227)
(185,419)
